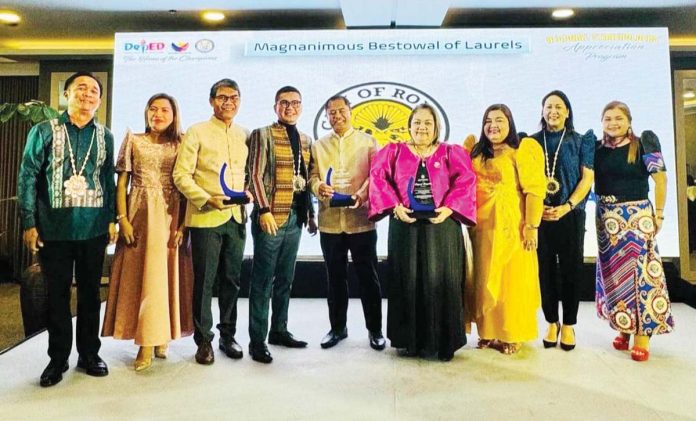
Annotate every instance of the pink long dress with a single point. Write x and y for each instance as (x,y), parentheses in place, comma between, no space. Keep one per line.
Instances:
(150,289)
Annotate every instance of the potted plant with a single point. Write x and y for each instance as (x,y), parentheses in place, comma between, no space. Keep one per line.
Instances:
(33,286)
(32,111)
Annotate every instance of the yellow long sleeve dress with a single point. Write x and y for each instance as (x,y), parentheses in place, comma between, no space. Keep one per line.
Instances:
(506,279)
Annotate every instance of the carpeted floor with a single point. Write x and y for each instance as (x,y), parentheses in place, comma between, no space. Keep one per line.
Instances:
(11,327)
(353,382)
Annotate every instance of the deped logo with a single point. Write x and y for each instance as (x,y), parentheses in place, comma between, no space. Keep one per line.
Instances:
(144,46)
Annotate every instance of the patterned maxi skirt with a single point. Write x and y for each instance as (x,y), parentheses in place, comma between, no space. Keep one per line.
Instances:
(631,290)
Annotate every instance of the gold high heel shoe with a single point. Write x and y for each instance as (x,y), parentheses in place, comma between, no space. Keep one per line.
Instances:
(144,359)
(161,351)
(567,338)
(550,339)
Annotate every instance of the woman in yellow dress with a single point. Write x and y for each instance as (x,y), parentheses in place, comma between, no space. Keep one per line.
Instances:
(510,190)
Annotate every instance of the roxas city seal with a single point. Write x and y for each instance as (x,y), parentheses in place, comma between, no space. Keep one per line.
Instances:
(381,109)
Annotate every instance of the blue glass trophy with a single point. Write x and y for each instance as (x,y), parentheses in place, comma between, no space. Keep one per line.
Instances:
(235,197)
(420,210)
(338,200)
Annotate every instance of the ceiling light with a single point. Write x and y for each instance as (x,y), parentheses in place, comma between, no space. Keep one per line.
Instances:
(9,18)
(689,95)
(562,13)
(213,16)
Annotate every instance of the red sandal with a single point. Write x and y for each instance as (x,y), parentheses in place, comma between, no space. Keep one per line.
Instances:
(620,343)
(640,354)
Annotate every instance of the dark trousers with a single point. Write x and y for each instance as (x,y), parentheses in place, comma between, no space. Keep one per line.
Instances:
(59,260)
(363,249)
(272,274)
(216,253)
(560,253)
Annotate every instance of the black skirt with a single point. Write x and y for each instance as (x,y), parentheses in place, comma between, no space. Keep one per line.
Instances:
(425,312)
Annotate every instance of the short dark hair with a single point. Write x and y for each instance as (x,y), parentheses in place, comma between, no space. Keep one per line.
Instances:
(223,83)
(427,107)
(336,98)
(286,89)
(69,81)
(569,121)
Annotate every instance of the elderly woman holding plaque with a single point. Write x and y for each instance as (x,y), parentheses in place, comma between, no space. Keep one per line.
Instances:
(428,190)
(631,286)
(510,190)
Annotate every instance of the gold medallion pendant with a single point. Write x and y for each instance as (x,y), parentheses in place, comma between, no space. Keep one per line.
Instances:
(552,185)
(298,183)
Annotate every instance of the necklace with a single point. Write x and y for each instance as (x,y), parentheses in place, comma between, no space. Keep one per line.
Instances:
(552,185)
(298,181)
(76,185)
(422,155)
(614,143)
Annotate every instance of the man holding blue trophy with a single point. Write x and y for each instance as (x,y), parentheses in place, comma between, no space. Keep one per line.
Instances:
(339,178)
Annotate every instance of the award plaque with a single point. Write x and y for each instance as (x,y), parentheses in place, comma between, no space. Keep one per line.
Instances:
(420,210)
(235,197)
(338,200)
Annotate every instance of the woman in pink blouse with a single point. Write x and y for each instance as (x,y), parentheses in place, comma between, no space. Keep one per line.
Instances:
(428,189)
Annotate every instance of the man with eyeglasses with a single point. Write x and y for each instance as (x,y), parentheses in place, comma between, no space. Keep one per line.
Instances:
(346,154)
(218,230)
(279,155)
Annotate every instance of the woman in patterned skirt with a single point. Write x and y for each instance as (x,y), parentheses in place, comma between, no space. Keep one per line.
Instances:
(631,288)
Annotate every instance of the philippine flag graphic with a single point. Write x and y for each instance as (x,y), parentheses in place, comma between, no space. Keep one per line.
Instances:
(180,46)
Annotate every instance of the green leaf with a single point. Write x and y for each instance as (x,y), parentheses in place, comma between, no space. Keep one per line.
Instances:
(23,110)
(36,115)
(7,112)
(50,113)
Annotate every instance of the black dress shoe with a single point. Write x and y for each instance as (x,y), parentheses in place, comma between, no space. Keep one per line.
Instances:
(259,352)
(53,373)
(93,365)
(204,354)
(285,339)
(333,338)
(377,340)
(231,348)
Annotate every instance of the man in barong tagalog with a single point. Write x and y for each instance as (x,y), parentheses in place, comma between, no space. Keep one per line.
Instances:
(66,201)
(340,169)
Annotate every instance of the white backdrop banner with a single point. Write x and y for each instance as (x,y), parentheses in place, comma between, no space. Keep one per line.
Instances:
(385,73)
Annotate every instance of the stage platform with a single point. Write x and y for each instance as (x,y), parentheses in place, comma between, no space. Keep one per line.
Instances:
(354,382)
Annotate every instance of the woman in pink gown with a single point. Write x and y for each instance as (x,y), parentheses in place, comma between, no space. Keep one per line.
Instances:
(151,276)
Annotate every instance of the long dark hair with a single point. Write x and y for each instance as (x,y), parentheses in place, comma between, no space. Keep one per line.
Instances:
(483,146)
(569,121)
(173,132)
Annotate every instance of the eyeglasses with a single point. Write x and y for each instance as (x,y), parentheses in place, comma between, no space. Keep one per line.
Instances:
(285,103)
(224,98)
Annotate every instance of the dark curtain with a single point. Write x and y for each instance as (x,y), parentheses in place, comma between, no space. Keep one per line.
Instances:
(13,256)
